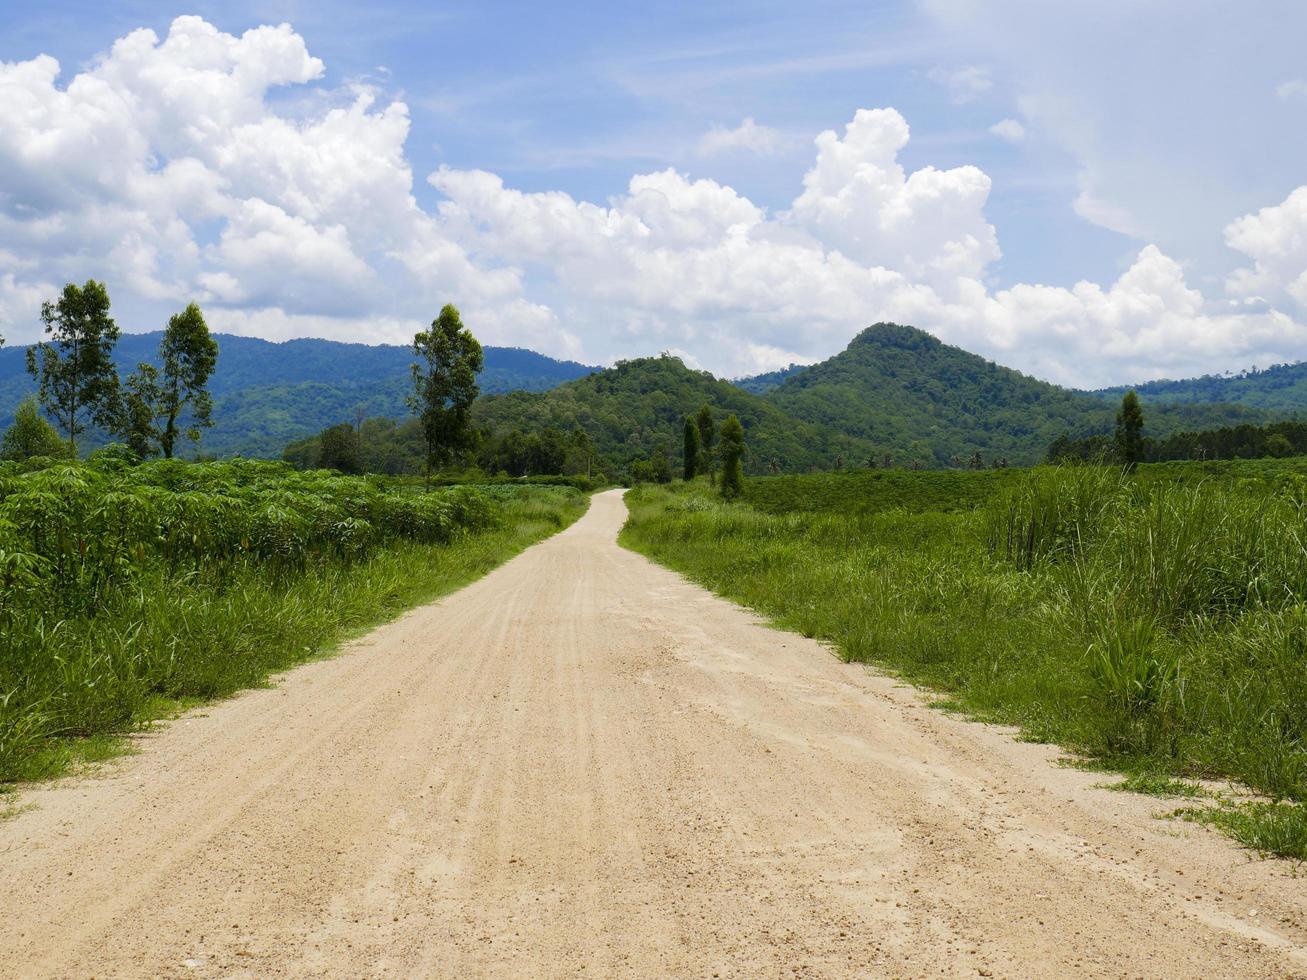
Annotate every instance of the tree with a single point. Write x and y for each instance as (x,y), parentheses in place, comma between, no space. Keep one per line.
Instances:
(78,383)
(584,448)
(31,435)
(1278,445)
(1130,431)
(138,411)
(693,449)
(155,398)
(189,355)
(338,449)
(444,386)
(707,438)
(732,453)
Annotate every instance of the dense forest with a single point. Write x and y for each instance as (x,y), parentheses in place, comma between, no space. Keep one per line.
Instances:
(1275,440)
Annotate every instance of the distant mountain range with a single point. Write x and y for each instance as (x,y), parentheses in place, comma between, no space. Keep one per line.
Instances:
(266,394)
(895,391)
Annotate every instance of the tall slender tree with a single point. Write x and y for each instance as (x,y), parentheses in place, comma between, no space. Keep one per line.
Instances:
(77,380)
(732,451)
(157,398)
(445,385)
(707,439)
(692,449)
(1130,431)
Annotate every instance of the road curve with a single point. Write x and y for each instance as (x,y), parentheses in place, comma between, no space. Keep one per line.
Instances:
(583,765)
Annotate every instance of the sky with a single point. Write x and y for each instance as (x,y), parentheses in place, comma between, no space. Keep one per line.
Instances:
(1091,192)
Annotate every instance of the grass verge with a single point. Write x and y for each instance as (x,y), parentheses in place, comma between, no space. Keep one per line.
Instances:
(1152,625)
(172,643)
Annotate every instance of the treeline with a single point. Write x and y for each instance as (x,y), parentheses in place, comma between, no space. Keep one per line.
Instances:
(395,448)
(79,388)
(1275,440)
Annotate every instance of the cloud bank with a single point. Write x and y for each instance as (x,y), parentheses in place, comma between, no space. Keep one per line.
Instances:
(220,168)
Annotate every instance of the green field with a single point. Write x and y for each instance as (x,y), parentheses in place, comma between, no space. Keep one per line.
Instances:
(1151,623)
(127,592)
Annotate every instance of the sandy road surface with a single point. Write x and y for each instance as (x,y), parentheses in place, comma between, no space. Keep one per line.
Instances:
(553,773)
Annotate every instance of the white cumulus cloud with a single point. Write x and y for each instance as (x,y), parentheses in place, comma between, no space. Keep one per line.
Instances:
(1275,238)
(168,168)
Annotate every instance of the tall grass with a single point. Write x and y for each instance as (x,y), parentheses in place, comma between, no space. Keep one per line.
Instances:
(1154,622)
(128,592)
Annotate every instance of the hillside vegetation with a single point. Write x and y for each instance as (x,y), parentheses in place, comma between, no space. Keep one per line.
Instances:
(1280,388)
(905,394)
(630,409)
(1152,622)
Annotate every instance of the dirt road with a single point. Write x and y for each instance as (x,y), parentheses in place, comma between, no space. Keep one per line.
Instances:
(582,765)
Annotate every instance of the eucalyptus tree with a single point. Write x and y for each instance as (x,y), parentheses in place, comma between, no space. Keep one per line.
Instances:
(445,385)
(707,439)
(692,449)
(732,451)
(158,398)
(1129,436)
(77,381)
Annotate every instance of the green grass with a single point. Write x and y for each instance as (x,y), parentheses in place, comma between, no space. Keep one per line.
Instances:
(1270,828)
(1152,624)
(1155,785)
(176,638)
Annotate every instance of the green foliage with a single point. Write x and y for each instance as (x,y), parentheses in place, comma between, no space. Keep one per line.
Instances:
(121,584)
(188,355)
(628,408)
(1129,436)
(265,395)
(692,447)
(138,411)
(656,469)
(707,439)
(444,386)
(900,391)
(1277,440)
(1279,388)
(339,449)
(31,436)
(732,452)
(1153,622)
(77,380)
(868,491)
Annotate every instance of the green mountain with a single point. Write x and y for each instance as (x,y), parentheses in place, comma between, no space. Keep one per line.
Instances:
(629,408)
(266,394)
(1280,388)
(904,392)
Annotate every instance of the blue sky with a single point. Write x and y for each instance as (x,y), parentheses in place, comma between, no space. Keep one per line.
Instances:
(1066,202)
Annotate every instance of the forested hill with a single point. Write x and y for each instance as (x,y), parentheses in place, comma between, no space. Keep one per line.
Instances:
(629,408)
(1281,388)
(904,392)
(266,394)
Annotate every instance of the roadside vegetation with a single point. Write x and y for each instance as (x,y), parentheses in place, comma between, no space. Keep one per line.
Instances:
(129,591)
(1152,621)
